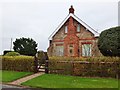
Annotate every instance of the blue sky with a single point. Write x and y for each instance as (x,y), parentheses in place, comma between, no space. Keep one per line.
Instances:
(37,19)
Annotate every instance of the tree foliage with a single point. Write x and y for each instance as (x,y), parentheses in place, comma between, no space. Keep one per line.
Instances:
(109,42)
(25,46)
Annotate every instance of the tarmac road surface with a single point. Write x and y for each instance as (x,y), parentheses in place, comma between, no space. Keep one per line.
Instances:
(11,87)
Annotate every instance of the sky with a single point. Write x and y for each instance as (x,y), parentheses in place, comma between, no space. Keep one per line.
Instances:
(38,19)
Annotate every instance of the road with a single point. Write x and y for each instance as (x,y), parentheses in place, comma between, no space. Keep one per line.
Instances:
(11,87)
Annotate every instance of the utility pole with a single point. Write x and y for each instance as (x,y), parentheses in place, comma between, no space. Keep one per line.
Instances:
(11,45)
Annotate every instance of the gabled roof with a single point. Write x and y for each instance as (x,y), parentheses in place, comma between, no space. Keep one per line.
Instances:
(77,19)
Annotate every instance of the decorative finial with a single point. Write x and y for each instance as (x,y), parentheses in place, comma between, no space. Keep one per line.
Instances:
(71,10)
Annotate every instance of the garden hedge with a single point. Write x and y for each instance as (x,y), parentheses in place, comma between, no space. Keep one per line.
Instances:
(18,63)
(86,67)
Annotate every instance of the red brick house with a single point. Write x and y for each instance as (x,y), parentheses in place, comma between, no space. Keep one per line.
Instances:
(73,37)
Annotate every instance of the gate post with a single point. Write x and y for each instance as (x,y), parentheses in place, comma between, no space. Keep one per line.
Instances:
(46,67)
(35,64)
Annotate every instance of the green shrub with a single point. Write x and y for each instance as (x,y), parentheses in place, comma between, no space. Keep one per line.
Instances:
(109,42)
(41,57)
(18,63)
(12,54)
(6,51)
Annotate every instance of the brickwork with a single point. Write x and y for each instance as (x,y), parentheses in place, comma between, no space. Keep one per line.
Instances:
(72,40)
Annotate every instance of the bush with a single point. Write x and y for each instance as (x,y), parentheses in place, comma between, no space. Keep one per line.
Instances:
(18,63)
(42,56)
(109,42)
(6,51)
(12,54)
(91,67)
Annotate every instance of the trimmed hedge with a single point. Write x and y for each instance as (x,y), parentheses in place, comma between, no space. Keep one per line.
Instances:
(86,67)
(90,59)
(18,63)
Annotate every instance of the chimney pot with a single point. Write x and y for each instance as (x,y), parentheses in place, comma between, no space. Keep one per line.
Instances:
(71,10)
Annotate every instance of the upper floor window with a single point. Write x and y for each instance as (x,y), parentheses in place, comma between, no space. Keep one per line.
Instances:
(66,29)
(78,28)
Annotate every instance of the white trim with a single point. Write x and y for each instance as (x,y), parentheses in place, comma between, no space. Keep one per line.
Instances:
(78,27)
(66,29)
(79,20)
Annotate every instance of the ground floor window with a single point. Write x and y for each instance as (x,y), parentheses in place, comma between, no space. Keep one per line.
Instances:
(59,51)
(86,49)
(70,50)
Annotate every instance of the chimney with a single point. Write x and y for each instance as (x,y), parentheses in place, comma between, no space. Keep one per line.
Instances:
(71,27)
(71,10)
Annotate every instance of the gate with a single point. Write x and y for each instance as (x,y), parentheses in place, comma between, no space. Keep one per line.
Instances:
(41,62)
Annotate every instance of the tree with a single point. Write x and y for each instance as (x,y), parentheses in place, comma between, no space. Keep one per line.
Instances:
(25,46)
(109,42)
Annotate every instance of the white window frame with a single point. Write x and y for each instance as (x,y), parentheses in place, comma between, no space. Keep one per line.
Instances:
(66,29)
(78,27)
(86,50)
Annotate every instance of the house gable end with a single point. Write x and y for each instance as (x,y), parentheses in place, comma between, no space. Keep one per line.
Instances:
(78,20)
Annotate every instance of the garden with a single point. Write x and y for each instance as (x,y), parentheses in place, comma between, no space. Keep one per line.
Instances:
(66,72)
(61,72)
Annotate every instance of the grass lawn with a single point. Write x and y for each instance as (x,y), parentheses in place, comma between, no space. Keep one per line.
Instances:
(8,76)
(60,81)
